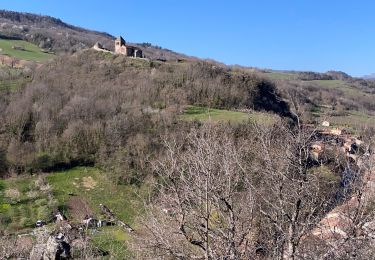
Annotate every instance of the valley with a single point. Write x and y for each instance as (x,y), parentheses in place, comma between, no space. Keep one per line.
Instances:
(143,152)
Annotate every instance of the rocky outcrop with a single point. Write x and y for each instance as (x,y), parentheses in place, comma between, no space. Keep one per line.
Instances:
(56,247)
(37,252)
(51,249)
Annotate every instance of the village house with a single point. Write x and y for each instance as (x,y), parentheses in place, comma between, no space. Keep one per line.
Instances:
(328,138)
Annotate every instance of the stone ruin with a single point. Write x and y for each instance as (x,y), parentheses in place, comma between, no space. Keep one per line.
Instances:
(130,51)
(121,48)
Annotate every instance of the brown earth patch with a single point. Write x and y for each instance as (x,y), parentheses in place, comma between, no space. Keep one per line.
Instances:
(88,183)
(78,208)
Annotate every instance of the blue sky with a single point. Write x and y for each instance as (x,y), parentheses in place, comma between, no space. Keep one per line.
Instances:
(317,35)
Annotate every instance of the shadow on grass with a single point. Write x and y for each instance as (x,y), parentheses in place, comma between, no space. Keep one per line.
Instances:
(196,110)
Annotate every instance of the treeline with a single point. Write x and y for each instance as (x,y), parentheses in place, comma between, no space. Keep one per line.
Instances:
(96,108)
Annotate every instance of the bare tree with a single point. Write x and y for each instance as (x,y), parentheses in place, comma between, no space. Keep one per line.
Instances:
(291,196)
(206,201)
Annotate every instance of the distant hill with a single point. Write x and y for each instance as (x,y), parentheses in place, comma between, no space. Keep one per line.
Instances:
(55,35)
(370,77)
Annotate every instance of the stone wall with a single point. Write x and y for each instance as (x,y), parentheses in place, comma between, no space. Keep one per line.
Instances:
(98,48)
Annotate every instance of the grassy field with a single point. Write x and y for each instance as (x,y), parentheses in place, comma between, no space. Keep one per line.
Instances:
(113,240)
(23,201)
(354,120)
(220,115)
(30,51)
(279,75)
(346,88)
(94,187)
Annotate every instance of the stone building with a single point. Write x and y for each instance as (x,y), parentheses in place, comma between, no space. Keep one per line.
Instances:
(130,51)
(99,47)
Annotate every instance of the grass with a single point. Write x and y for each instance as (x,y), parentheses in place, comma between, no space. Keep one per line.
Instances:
(26,199)
(96,187)
(279,75)
(354,120)
(100,189)
(196,113)
(31,52)
(112,239)
(338,85)
(23,201)
(325,84)
(12,85)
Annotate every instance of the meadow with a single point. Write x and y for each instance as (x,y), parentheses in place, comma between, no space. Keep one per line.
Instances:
(76,192)
(197,113)
(26,50)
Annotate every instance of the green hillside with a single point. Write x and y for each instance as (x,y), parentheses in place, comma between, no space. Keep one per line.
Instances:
(23,50)
(345,103)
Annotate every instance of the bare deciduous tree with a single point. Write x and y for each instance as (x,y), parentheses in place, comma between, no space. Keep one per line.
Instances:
(206,200)
(291,198)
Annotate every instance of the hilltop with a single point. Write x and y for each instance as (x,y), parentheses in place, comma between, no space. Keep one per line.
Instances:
(55,35)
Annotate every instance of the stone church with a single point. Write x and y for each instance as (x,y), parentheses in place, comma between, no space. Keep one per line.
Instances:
(130,51)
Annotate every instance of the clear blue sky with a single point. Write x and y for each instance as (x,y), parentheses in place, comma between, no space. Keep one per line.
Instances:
(317,35)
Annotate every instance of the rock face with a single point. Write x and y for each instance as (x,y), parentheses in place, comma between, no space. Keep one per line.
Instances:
(56,247)
(51,249)
(37,252)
